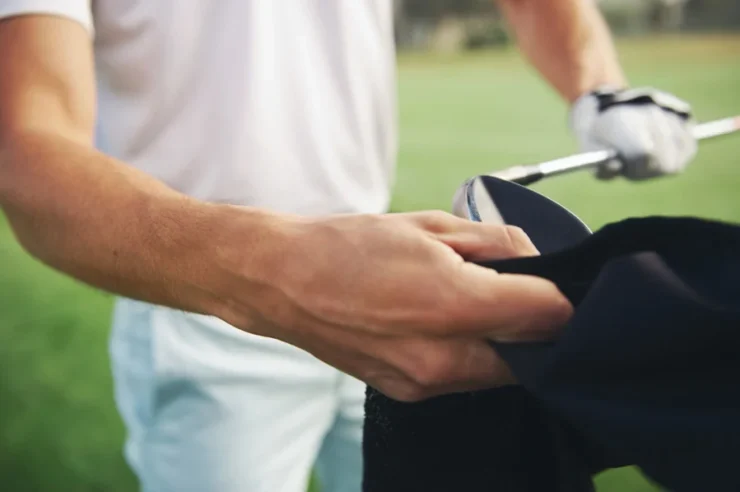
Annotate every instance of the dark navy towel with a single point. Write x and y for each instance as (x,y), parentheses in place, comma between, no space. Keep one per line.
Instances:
(646,373)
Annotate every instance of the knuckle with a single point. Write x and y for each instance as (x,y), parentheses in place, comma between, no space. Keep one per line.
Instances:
(435,219)
(430,370)
(517,239)
(439,214)
(409,393)
(516,234)
(417,368)
(375,220)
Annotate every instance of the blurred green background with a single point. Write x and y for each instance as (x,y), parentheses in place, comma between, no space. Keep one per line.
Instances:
(462,113)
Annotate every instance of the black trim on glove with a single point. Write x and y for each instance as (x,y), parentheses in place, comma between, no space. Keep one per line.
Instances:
(639,97)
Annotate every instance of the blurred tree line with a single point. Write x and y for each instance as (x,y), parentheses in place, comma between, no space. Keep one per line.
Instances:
(451,25)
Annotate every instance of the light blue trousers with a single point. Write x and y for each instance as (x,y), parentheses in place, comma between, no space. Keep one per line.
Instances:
(211,409)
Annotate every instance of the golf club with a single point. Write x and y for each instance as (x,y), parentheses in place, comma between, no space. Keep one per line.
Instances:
(549,225)
(526,175)
(503,198)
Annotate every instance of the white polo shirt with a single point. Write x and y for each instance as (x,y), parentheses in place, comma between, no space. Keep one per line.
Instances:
(284,104)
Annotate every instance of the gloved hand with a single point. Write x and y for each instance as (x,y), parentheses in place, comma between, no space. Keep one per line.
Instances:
(651,130)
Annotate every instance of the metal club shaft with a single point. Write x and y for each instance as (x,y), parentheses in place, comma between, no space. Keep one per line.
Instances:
(525,175)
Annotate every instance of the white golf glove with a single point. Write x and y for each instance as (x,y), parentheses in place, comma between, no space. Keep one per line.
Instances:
(651,131)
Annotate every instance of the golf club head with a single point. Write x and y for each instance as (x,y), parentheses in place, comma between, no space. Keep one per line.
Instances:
(550,226)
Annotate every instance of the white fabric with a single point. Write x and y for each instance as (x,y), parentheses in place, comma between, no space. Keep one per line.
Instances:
(286,104)
(289,105)
(651,140)
(77,10)
(208,408)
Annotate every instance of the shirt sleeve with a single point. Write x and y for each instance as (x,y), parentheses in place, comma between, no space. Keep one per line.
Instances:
(77,10)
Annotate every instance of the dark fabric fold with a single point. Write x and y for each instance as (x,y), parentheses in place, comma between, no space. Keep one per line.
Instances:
(646,373)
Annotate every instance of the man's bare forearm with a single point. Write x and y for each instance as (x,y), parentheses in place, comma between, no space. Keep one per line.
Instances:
(567,41)
(118,229)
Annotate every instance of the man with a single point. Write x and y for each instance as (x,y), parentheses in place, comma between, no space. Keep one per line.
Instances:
(249,157)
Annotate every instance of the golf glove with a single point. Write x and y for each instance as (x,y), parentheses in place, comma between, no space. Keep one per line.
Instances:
(650,130)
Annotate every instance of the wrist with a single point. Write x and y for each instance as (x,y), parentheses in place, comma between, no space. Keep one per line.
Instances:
(584,108)
(246,254)
(596,90)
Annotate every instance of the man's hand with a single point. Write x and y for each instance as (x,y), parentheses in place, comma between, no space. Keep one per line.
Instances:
(651,131)
(392,300)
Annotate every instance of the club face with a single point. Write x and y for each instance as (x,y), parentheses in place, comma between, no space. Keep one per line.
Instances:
(473,202)
(550,226)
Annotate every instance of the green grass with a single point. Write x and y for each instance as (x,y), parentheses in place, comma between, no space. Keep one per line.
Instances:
(460,115)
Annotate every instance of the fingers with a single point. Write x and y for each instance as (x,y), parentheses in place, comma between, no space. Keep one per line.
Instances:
(627,130)
(651,142)
(474,240)
(478,301)
(665,155)
(476,366)
(683,141)
(410,367)
(489,242)
(609,171)
(433,367)
(672,145)
(506,307)
(437,221)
